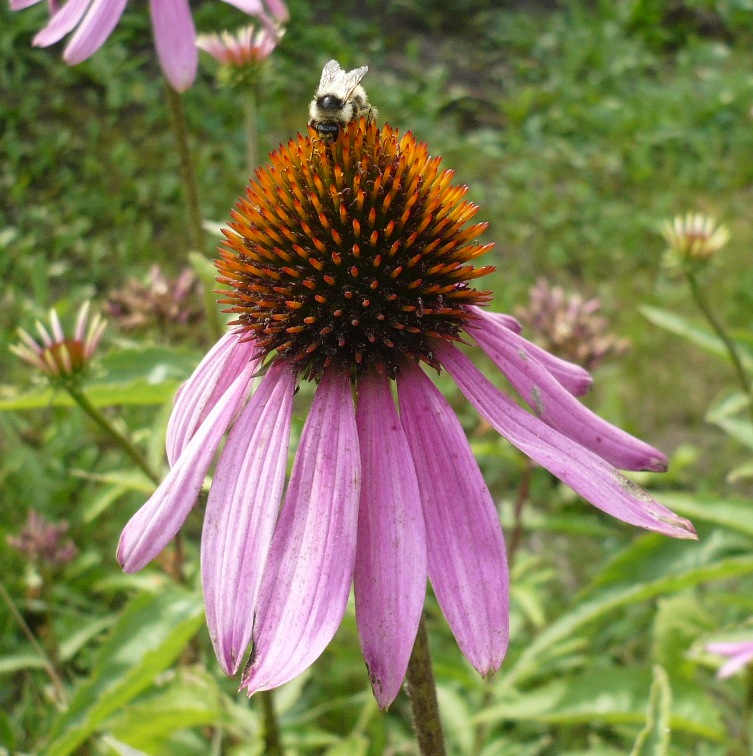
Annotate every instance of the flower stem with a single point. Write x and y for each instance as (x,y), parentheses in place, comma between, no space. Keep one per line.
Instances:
(422,692)
(187,171)
(120,438)
(272,743)
(49,667)
(729,345)
(252,129)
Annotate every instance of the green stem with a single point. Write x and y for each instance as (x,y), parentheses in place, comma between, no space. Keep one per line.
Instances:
(187,170)
(120,438)
(729,345)
(422,691)
(272,743)
(252,129)
(57,683)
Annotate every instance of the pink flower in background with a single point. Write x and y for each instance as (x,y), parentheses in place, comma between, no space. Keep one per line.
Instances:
(740,654)
(246,46)
(57,355)
(349,264)
(174,31)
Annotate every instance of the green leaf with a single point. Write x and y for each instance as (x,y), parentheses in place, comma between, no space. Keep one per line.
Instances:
(628,581)
(12,663)
(612,695)
(149,635)
(192,699)
(701,337)
(653,739)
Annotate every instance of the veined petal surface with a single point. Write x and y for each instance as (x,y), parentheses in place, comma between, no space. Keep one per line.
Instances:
(467,560)
(61,23)
(309,569)
(157,522)
(585,472)
(175,40)
(576,379)
(197,396)
(390,570)
(558,408)
(97,25)
(241,513)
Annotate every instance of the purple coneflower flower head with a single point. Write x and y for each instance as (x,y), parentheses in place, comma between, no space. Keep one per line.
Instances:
(740,654)
(57,355)
(692,241)
(351,263)
(570,326)
(174,30)
(44,541)
(245,47)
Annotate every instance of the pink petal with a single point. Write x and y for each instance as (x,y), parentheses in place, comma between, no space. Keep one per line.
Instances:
(252,7)
(559,409)
(198,395)
(241,513)
(175,40)
(279,10)
(101,18)
(467,561)
(735,664)
(21,4)
(310,565)
(157,522)
(582,470)
(574,378)
(61,23)
(390,571)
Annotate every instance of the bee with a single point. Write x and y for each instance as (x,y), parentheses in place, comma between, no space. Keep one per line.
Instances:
(339,99)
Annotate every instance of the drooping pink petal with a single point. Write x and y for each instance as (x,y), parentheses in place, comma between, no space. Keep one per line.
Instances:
(198,395)
(279,11)
(252,7)
(574,378)
(61,23)
(740,653)
(241,513)
(310,564)
(585,472)
(558,408)
(100,19)
(175,40)
(157,522)
(390,571)
(21,4)
(467,561)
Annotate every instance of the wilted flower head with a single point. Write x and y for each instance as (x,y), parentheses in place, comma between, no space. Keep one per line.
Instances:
(740,654)
(570,326)
(241,53)
(42,541)
(159,301)
(351,263)
(693,240)
(174,31)
(57,355)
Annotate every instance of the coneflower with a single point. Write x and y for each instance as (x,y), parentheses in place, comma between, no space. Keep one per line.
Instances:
(351,263)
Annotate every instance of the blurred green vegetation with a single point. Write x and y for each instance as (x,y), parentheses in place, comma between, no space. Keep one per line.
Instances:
(578,128)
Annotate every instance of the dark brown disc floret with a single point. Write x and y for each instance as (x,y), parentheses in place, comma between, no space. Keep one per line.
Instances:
(353,251)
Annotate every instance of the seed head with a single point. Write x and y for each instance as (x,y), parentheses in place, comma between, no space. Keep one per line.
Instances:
(353,251)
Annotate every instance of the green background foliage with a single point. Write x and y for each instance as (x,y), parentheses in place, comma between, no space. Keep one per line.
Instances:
(578,128)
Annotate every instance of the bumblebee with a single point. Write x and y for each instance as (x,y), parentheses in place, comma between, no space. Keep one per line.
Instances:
(339,99)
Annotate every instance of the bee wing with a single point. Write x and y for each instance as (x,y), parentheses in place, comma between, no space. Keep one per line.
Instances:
(338,82)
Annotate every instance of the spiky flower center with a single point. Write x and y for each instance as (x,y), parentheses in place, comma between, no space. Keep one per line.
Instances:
(353,251)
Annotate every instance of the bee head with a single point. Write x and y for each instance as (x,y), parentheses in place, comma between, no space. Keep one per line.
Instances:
(329,102)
